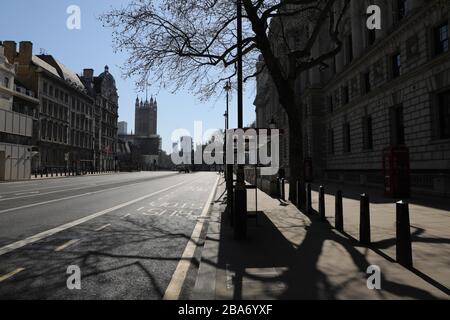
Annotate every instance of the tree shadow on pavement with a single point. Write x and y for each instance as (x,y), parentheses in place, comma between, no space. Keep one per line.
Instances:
(284,271)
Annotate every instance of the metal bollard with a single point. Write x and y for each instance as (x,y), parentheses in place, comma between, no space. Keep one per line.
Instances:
(297,198)
(364,222)
(283,189)
(322,203)
(403,240)
(339,216)
(51,173)
(308,199)
(42,173)
(35,174)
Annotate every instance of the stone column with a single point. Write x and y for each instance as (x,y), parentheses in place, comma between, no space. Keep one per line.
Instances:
(314,75)
(357,28)
(414,4)
(386,17)
(340,56)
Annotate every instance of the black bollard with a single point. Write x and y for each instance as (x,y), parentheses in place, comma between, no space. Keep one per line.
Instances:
(42,173)
(364,222)
(283,189)
(230,193)
(403,241)
(308,199)
(35,174)
(297,199)
(339,216)
(51,173)
(322,203)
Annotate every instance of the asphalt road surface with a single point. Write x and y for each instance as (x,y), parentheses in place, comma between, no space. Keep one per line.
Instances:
(127,234)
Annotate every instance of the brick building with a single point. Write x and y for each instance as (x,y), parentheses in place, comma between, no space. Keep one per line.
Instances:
(389,87)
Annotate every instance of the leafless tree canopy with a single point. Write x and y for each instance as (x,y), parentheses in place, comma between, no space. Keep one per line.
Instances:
(192,43)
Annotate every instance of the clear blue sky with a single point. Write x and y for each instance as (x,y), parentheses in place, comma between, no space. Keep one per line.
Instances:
(44,23)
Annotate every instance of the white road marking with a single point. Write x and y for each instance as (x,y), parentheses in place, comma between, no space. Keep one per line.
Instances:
(55,200)
(103,227)
(176,283)
(126,216)
(141,208)
(11,274)
(29,193)
(19,244)
(66,245)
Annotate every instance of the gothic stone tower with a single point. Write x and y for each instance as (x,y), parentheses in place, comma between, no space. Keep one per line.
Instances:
(146,115)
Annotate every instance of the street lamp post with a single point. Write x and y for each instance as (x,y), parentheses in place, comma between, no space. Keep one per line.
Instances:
(240,195)
(229,167)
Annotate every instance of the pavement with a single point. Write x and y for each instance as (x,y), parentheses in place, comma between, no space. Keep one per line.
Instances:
(129,234)
(290,255)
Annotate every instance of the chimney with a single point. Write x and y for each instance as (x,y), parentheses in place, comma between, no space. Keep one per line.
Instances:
(10,50)
(25,53)
(88,74)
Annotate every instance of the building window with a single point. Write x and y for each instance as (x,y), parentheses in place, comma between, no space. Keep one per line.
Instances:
(441,39)
(367,133)
(330,104)
(44,106)
(444,115)
(330,141)
(345,95)
(396,65)
(371,36)
(402,9)
(397,125)
(347,138)
(366,86)
(51,91)
(45,88)
(349,47)
(6,82)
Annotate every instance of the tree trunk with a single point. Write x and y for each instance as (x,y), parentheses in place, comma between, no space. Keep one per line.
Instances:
(296,161)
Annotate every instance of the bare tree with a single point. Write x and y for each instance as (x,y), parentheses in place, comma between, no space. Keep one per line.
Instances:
(192,43)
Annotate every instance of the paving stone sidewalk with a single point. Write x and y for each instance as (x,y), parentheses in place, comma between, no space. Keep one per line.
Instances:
(289,255)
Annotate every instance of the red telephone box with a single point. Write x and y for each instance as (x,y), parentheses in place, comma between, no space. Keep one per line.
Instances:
(396,172)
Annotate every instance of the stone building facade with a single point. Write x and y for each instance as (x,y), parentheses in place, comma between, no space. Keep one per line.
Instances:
(65,121)
(145,141)
(146,118)
(386,88)
(18,110)
(106,114)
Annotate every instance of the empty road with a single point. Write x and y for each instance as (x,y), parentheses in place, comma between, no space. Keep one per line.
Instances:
(131,235)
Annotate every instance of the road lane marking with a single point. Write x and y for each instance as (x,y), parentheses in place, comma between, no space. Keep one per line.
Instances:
(70,197)
(176,283)
(126,216)
(79,187)
(103,227)
(55,200)
(29,193)
(41,194)
(11,274)
(141,208)
(66,245)
(21,243)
